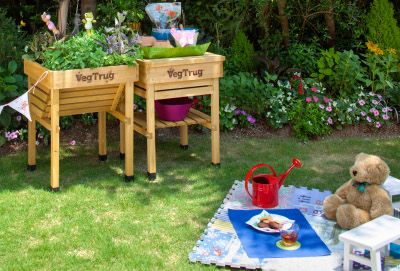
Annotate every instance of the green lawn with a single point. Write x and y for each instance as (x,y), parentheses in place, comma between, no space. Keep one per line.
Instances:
(98,222)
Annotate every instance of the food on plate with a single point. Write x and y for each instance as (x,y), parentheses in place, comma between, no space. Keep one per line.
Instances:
(269,222)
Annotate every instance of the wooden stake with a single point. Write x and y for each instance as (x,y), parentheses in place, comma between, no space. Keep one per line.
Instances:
(32,144)
(184,137)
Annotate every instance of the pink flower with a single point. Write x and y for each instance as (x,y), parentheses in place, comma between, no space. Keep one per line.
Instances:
(369,119)
(72,143)
(330,121)
(376,113)
(384,110)
(329,109)
(322,106)
(314,89)
(363,113)
(308,99)
(379,97)
(326,100)
(315,98)
(375,102)
(372,110)
(251,119)
(378,125)
(385,117)
(361,102)
(19,118)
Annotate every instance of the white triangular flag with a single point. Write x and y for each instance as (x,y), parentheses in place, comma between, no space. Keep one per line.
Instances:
(1,108)
(21,104)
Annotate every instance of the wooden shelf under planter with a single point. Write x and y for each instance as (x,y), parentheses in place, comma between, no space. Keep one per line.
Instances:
(80,91)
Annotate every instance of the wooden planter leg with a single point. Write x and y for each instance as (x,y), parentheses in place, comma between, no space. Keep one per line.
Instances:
(129,132)
(32,145)
(151,129)
(55,141)
(102,136)
(122,140)
(215,137)
(184,137)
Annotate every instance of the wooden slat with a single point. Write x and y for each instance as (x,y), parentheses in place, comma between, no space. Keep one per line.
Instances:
(201,114)
(90,92)
(94,100)
(38,112)
(140,92)
(97,88)
(85,110)
(215,136)
(37,102)
(185,84)
(78,106)
(118,115)
(185,92)
(117,96)
(41,94)
(207,57)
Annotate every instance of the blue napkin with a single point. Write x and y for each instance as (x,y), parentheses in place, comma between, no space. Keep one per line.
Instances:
(263,245)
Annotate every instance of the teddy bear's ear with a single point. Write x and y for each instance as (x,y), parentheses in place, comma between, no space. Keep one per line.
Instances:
(361,155)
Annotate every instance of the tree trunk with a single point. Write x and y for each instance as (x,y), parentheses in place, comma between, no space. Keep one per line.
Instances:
(63,17)
(330,23)
(283,18)
(88,6)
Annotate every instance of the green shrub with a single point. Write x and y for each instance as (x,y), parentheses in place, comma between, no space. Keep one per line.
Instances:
(382,26)
(303,56)
(12,85)
(11,40)
(309,121)
(242,54)
(244,91)
(340,72)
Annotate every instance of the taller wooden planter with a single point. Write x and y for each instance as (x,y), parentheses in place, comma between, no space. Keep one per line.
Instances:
(72,92)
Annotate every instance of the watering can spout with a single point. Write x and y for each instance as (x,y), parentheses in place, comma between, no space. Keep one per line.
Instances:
(295,163)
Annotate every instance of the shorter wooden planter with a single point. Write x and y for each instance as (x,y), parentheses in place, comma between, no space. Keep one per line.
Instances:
(72,92)
(174,78)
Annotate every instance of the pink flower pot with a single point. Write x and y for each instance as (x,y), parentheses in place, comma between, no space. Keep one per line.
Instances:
(173,109)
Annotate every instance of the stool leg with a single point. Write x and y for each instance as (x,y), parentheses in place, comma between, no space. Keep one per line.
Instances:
(347,263)
(184,137)
(376,261)
(102,136)
(215,139)
(32,145)
(151,129)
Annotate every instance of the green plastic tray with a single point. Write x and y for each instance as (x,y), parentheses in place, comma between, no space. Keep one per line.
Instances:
(157,52)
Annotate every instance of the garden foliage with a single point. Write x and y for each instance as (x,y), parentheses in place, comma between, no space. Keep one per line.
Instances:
(382,26)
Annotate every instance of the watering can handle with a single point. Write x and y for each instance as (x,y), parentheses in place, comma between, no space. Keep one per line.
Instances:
(250,173)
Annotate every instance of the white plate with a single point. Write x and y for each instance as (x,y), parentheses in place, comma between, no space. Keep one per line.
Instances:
(282,219)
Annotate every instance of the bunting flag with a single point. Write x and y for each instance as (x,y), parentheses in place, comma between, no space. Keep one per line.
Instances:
(21,104)
(1,108)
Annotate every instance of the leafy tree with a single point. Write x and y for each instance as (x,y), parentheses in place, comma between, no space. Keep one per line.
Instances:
(382,26)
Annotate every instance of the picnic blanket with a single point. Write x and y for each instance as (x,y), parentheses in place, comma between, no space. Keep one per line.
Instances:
(220,245)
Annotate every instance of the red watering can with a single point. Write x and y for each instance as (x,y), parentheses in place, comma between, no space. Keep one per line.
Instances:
(266,186)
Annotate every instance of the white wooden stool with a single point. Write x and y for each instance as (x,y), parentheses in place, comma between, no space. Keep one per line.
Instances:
(374,236)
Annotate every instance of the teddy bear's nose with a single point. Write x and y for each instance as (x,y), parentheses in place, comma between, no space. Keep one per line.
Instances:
(354,172)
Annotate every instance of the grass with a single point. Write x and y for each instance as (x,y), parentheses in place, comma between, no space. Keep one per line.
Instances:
(98,222)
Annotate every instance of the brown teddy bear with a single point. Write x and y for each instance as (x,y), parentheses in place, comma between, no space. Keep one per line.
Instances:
(362,198)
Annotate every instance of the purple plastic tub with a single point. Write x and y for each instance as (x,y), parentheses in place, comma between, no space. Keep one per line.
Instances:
(173,109)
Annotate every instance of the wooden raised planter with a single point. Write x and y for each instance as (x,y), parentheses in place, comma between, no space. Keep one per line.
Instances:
(173,78)
(72,92)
